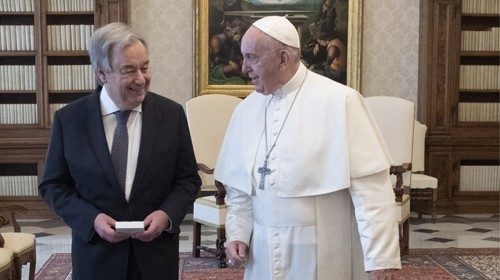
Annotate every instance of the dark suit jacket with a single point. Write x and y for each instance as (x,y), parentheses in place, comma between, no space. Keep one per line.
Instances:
(79,182)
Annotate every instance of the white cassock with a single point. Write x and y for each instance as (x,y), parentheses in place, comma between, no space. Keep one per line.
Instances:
(329,177)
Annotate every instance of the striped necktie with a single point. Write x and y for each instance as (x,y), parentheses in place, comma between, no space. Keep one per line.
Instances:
(119,150)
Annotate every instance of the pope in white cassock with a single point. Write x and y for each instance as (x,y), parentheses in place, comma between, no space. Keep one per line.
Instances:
(306,171)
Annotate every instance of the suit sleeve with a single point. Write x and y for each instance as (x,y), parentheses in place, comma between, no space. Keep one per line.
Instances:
(375,209)
(58,188)
(186,184)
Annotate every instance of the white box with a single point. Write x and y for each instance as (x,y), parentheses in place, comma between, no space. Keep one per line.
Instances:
(129,227)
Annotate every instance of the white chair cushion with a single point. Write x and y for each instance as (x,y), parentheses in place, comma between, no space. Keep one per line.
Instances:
(18,242)
(422,181)
(205,211)
(403,209)
(6,256)
(418,160)
(208,117)
(395,118)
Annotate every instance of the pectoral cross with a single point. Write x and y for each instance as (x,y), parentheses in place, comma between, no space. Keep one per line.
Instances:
(264,170)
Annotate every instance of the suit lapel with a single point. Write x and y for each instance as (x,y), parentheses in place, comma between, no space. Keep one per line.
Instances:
(98,139)
(151,120)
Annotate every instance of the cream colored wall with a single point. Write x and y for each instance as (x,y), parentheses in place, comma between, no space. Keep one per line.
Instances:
(390,46)
(167,26)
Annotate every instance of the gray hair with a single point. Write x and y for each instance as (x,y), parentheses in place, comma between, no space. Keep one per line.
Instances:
(108,39)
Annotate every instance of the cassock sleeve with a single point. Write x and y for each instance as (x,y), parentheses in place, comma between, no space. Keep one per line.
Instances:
(239,222)
(375,209)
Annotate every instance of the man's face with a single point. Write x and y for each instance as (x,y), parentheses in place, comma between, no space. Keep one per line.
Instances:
(260,62)
(128,81)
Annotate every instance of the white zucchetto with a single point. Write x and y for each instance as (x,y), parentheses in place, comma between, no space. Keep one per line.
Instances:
(280,29)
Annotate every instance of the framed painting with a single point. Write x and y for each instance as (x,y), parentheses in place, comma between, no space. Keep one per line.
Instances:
(330,34)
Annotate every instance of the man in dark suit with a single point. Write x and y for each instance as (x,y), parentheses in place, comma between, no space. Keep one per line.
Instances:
(121,154)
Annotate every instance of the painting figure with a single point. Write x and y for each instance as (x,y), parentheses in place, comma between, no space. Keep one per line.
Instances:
(321,24)
(225,54)
(323,51)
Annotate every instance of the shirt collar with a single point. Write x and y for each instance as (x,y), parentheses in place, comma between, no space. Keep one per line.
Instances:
(108,106)
(294,82)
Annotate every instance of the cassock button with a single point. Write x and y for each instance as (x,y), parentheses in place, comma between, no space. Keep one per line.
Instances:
(278,108)
(272,183)
(276,120)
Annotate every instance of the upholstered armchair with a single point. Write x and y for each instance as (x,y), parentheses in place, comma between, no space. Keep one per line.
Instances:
(208,117)
(423,188)
(20,243)
(395,118)
(6,264)
(6,258)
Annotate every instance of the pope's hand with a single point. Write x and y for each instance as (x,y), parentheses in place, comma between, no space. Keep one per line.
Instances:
(236,252)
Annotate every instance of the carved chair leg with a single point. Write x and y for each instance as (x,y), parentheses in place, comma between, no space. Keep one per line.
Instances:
(18,266)
(196,239)
(404,237)
(434,199)
(221,253)
(8,274)
(32,265)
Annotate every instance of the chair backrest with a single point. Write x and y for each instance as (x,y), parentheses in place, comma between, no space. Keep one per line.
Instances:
(418,161)
(395,118)
(208,117)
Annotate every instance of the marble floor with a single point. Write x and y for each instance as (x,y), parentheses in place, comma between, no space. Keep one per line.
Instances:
(460,231)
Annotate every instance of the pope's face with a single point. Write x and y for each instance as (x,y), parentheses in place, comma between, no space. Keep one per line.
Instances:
(128,81)
(260,62)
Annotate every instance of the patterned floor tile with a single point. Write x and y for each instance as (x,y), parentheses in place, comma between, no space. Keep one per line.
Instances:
(424,230)
(440,240)
(496,239)
(42,234)
(480,230)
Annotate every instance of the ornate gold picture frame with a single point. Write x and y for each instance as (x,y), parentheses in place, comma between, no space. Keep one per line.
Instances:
(205,18)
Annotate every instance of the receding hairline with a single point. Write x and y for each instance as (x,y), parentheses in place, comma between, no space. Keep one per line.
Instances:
(118,49)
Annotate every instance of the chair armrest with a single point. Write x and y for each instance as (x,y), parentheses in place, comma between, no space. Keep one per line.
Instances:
(220,195)
(12,209)
(221,190)
(205,169)
(398,171)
